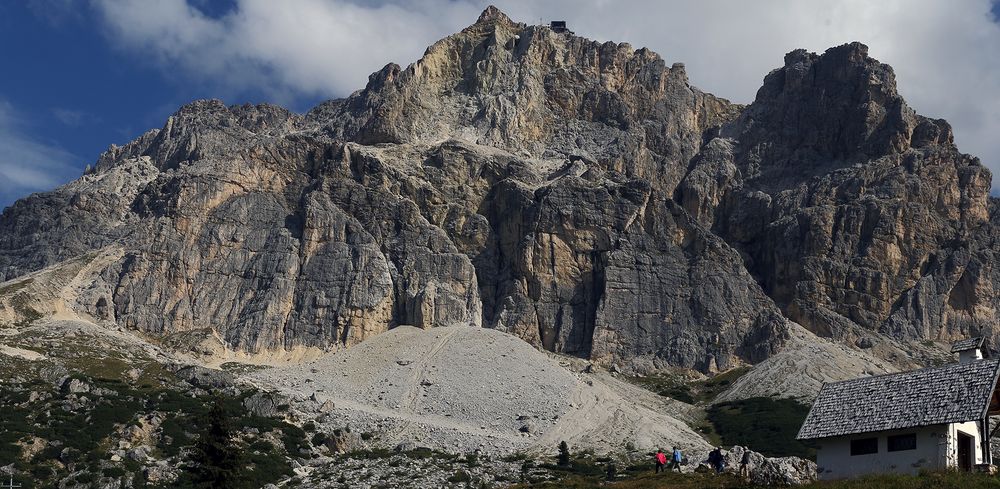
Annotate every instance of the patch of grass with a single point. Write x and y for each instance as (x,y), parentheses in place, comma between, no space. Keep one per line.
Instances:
(460,476)
(99,366)
(648,480)
(14,287)
(716,385)
(767,425)
(372,454)
(516,457)
(27,313)
(675,386)
(293,437)
(667,387)
(242,368)
(267,467)
(927,480)
(89,424)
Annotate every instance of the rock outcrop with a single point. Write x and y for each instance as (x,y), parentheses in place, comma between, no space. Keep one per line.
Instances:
(771,471)
(581,195)
(854,213)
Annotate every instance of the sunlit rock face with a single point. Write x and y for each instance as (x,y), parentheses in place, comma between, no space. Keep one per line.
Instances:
(581,195)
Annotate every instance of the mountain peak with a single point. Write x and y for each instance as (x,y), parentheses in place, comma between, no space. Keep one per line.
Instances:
(491,15)
(581,194)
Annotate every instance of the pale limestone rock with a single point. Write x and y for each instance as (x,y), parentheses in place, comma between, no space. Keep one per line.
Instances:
(581,195)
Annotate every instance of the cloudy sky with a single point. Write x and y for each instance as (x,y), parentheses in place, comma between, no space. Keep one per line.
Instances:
(80,75)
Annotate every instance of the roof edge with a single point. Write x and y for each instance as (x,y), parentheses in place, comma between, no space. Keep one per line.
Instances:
(974,343)
(805,422)
(996,376)
(982,413)
(906,372)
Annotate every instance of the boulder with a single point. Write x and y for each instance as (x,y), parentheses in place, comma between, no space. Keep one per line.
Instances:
(342,441)
(772,471)
(205,378)
(264,404)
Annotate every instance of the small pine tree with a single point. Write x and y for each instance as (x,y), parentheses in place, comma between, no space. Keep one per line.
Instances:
(563,454)
(218,462)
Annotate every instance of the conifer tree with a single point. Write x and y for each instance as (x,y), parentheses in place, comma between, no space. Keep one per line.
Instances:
(563,454)
(217,462)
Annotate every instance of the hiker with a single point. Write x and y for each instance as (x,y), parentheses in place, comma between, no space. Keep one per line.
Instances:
(716,460)
(661,460)
(745,465)
(675,460)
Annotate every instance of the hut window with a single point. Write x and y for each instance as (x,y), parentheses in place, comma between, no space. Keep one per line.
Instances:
(864,446)
(899,443)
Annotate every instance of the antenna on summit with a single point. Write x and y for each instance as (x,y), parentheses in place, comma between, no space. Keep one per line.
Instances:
(10,485)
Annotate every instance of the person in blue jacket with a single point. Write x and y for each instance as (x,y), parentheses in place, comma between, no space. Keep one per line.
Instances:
(675,460)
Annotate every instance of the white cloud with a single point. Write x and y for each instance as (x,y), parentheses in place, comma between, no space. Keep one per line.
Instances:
(71,117)
(27,164)
(311,47)
(944,53)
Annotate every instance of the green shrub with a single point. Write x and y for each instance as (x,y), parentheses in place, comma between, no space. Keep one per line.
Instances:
(460,476)
(85,478)
(676,387)
(294,438)
(318,439)
(262,446)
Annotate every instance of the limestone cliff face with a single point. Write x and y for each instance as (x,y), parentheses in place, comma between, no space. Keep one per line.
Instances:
(854,213)
(583,196)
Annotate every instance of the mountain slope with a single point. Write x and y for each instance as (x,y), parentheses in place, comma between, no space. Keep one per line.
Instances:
(582,196)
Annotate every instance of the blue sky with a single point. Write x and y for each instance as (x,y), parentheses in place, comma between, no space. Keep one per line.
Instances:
(81,75)
(67,87)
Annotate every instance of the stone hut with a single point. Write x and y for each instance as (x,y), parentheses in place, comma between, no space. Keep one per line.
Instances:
(932,418)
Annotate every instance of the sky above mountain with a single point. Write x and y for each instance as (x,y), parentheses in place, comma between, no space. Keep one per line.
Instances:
(82,75)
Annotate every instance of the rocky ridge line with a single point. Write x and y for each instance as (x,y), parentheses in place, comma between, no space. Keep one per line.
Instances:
(581,195)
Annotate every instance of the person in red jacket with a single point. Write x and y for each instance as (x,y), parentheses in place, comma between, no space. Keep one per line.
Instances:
(661,460)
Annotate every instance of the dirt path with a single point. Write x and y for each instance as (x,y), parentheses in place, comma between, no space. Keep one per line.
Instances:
(417,382)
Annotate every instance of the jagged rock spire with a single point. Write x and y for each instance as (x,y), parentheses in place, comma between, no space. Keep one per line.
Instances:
(493,14)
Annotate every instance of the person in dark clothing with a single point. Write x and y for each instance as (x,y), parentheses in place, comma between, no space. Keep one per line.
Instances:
(716,460)
(745,465)
(661,460)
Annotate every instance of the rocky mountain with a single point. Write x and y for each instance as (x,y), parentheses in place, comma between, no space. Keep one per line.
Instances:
(583,196)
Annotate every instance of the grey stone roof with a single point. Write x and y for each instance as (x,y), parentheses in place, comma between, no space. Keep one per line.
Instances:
(950,394)
(967,344)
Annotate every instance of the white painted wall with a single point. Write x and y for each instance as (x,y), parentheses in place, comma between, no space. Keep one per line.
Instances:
(836,462)
(970,428)
(966,356)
